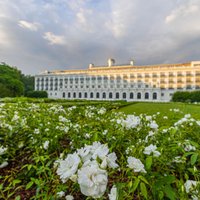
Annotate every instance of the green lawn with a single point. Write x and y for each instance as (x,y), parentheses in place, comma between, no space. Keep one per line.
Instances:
(163,108)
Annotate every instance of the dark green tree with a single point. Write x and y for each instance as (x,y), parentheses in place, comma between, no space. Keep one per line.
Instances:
(10,81)
(28,82)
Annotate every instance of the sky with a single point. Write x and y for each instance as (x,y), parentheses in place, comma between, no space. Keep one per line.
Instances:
(39,35)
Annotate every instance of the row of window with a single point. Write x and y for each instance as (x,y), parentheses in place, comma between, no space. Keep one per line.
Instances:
(161,81)
(110,95)
(118,77)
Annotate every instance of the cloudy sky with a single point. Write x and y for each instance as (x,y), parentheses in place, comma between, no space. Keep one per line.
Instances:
(38,35)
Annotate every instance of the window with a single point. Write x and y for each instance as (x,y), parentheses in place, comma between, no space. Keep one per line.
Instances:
(80,95)
(91,95)
(146,95)
(104,95)
(97,95)
(138,95)
(131,95)
(74,95)
(85,95)
(63,95)
(110,95)
(117,95)
(124,95)
(154,95)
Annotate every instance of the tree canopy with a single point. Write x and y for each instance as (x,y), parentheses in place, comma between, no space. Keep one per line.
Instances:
(13,83)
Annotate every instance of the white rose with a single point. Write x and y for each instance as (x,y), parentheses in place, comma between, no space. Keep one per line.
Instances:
(92,180)
(85,153)
(113,193)
(135,164)
(4,164)
(68,167)
(189,185)
(99,150)
(69,197)
(2,150)
(151,149)
(60,194)
(46,145)
(110,161)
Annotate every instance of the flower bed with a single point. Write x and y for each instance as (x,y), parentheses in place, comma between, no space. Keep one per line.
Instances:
(85,152)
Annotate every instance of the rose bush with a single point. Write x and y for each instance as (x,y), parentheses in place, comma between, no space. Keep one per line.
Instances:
(54,151)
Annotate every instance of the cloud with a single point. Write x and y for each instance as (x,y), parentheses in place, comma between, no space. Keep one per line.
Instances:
(68,34)
(28,25)
(182,12)
(54,39)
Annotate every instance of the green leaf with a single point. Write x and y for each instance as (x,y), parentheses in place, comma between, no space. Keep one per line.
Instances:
(29,167)
(29,185)
(148,162)
(193,158)
(130,184)
(161,195)
(143,190)
(135,184)
(16,181)
(143,179)
(168,179)
(170,192)
(17,197)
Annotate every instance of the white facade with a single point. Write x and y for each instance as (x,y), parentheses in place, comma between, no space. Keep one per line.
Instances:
(121,82)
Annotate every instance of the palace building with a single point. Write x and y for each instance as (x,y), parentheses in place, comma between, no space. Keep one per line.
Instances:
(121,82)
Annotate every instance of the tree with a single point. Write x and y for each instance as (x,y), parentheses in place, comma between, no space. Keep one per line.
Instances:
(10,80)
(28,82)
(13,83)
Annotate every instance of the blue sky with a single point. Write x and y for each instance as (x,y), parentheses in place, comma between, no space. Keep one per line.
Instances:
(38,35)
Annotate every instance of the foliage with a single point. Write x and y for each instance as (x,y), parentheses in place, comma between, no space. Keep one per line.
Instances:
(165,153)
(193,96)
(13,83)
(37,94)
(10,81)
(28,82)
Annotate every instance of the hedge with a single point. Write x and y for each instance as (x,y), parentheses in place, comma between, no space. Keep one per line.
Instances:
(193,96)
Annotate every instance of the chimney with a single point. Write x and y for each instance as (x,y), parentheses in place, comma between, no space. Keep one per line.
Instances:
(91,66)
(132,62)
(111,62)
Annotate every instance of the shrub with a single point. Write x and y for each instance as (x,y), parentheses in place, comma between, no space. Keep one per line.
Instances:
(37,94)
(193,96)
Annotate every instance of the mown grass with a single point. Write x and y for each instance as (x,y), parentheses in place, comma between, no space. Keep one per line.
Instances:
(164,108)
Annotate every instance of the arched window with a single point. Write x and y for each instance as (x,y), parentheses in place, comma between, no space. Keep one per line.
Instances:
(131,95)
(154,95)
(85,95)
(110,95)
(74,95)
(146,95)
(104,95)
(138,95)
(79,95)
(117,95)
(124,95)
(91,95)
(69,94)
(97,95)
(63,95)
